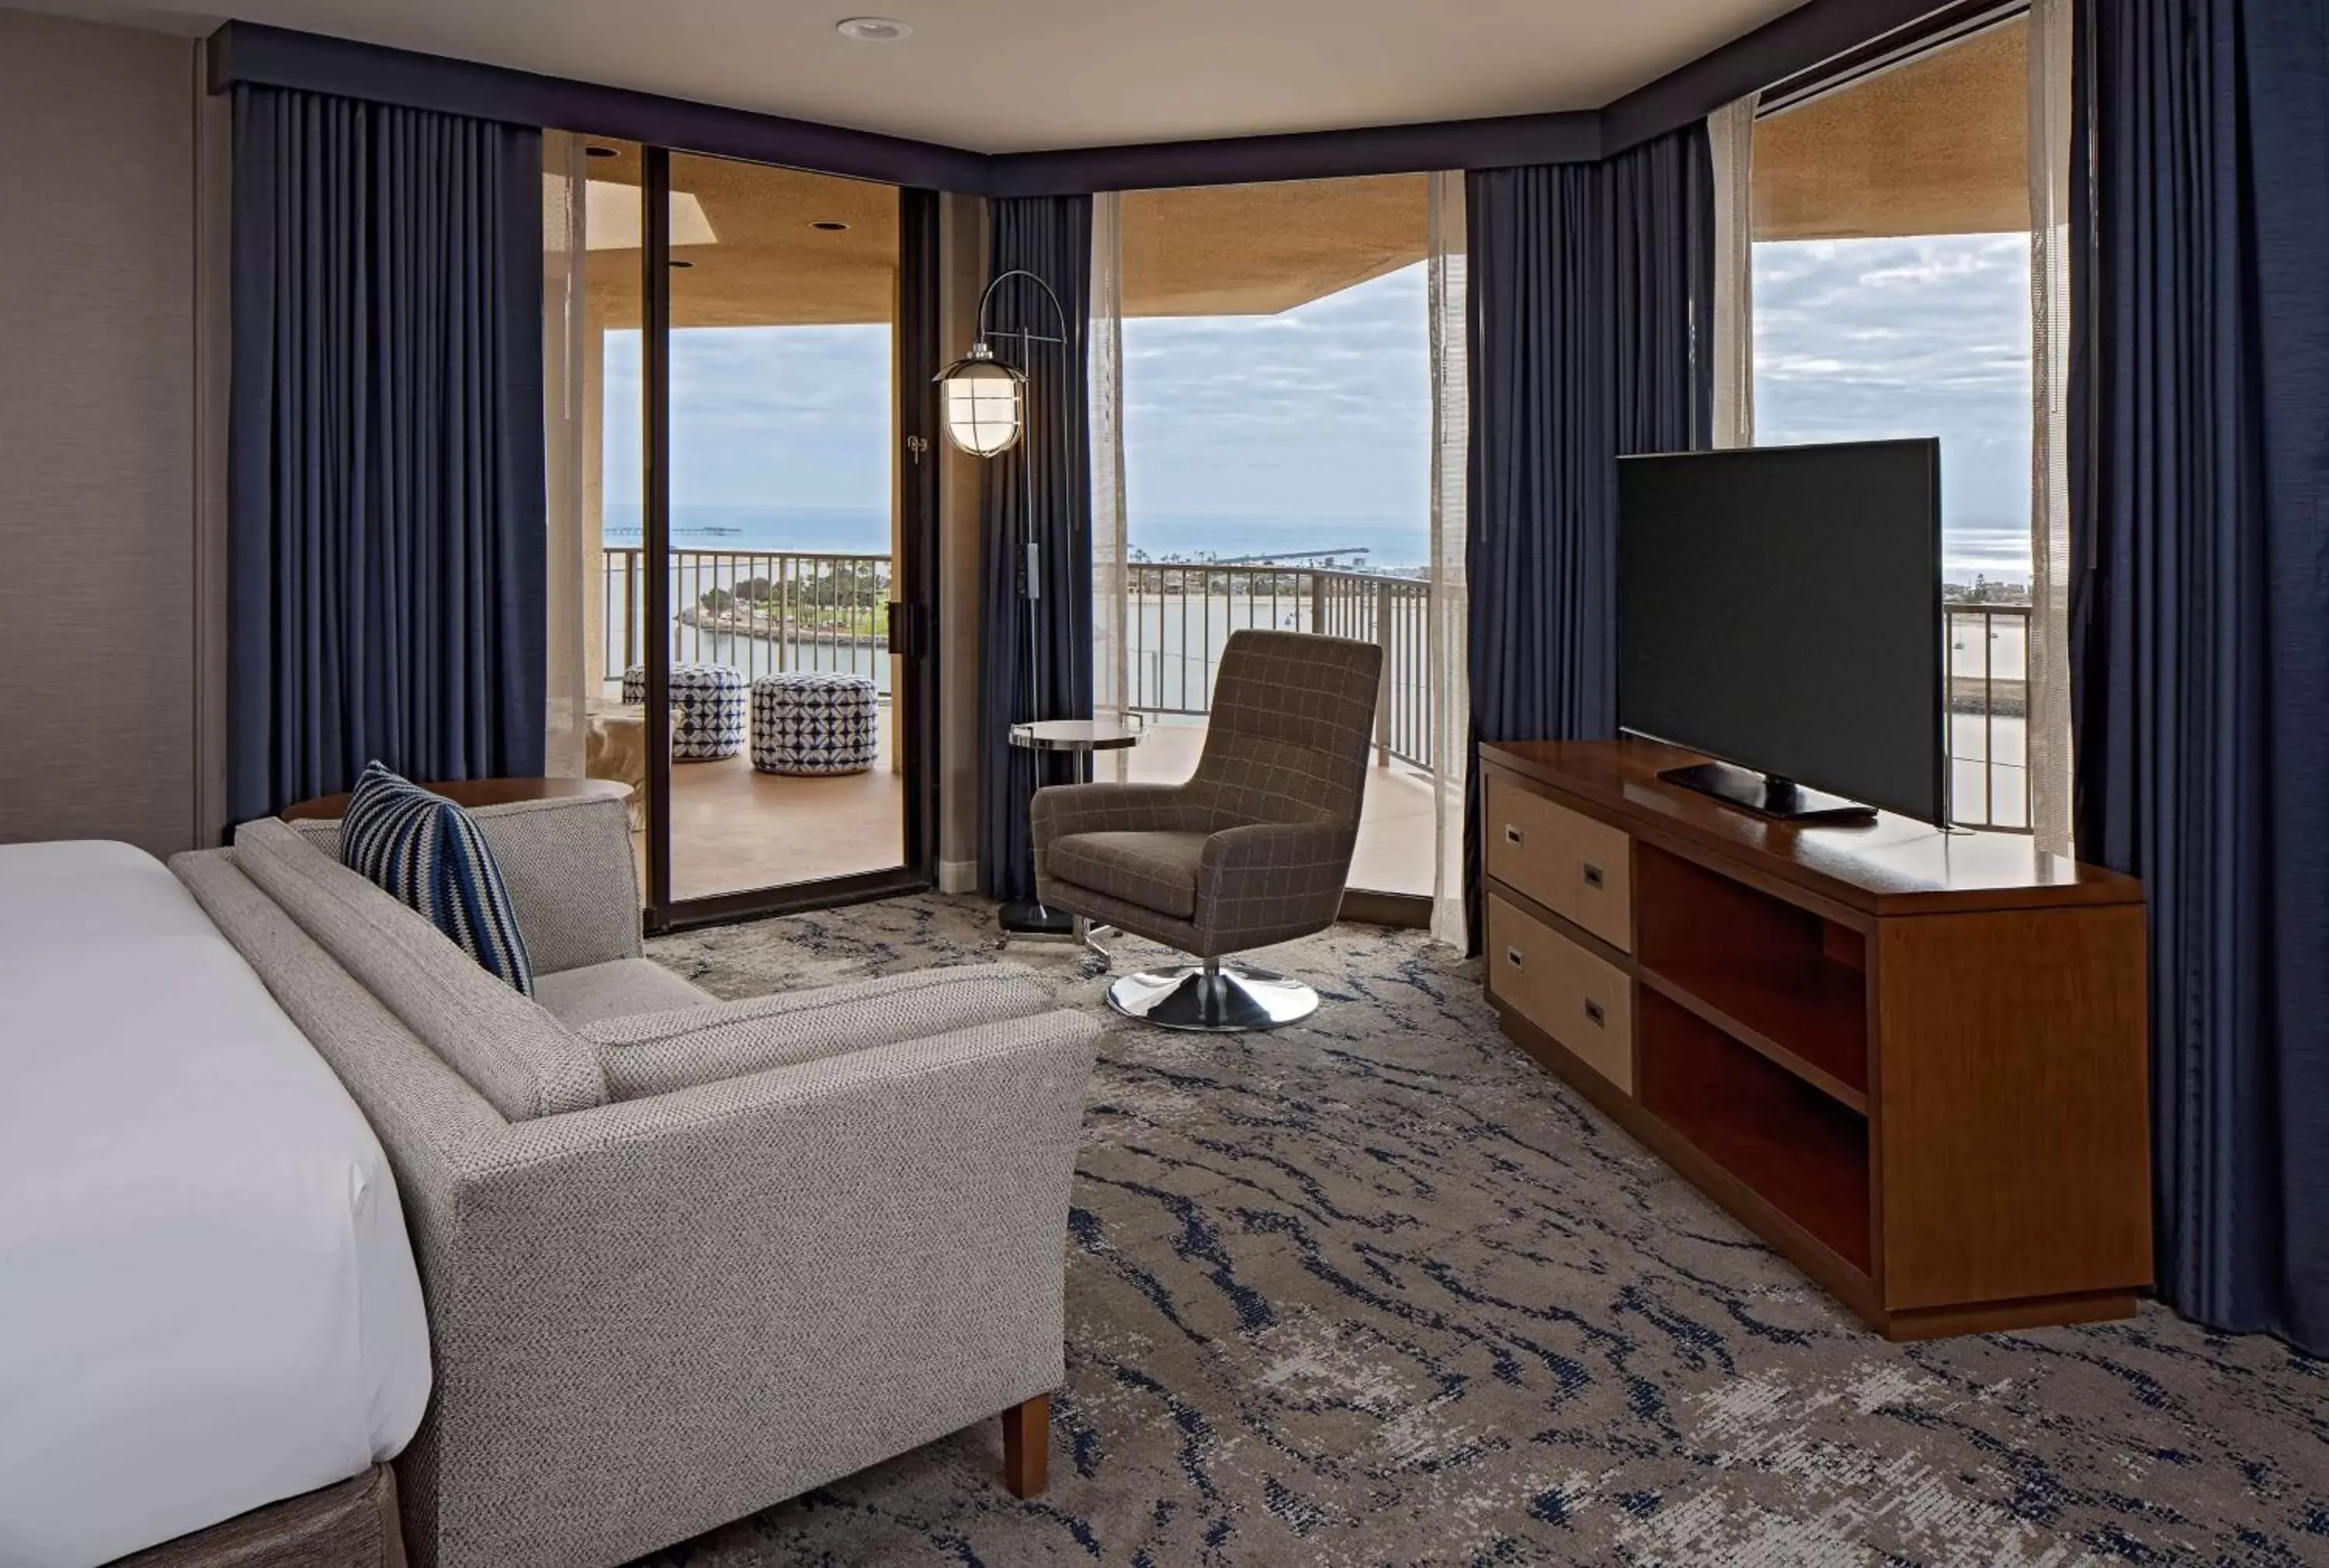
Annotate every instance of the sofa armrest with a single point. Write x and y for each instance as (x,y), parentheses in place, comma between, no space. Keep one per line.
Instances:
(730,1294)
(572,877)
(569,867)
(656,1053)
(1272,880)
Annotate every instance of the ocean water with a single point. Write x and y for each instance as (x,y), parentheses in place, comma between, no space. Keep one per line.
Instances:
(1998,551)
(1378,542)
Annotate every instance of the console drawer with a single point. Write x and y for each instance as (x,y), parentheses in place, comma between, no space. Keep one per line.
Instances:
(1580,869)
(1584,1003)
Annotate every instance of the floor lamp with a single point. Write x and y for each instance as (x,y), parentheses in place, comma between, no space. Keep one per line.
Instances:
(983,401)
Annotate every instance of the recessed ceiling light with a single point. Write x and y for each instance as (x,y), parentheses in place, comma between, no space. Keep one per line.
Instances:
(830,227)
(872,29)
(601,152)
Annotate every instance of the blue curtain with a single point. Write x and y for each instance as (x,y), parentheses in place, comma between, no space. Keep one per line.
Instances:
(1590,300)
(2200,614)
(385,474)
(1051,465)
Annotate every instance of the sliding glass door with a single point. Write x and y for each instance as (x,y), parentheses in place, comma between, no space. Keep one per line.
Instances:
(756,362)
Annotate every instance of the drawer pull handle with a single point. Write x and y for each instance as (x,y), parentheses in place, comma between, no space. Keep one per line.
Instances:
(1513,956)
(1512,835)
(1593,1015)
(1592,875)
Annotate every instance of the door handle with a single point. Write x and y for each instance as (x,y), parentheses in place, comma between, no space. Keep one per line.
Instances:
(1592,875)
(1593,1015)
(1513,957)
(1512,835)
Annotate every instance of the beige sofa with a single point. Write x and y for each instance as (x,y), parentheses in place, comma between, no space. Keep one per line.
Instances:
(683,1259)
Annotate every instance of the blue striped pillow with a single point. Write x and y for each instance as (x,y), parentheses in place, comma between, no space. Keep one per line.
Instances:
(428,853)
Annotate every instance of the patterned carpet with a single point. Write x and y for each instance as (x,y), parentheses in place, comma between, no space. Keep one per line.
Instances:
(1376,1290)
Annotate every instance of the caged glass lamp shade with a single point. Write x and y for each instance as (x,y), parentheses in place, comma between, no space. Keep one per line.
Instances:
(984,402)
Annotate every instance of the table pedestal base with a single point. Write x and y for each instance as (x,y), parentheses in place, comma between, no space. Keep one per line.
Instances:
(1028,919)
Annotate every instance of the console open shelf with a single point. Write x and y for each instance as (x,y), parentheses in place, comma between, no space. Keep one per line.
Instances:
(1805,1154)
(1780,979)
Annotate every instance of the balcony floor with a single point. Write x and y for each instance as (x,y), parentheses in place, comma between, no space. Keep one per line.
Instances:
(735,831)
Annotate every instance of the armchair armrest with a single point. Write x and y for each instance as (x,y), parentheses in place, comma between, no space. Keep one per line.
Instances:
(732,1293)
(1269,878)
(1060,810)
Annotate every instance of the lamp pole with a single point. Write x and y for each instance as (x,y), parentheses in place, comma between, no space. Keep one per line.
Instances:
(1031,548)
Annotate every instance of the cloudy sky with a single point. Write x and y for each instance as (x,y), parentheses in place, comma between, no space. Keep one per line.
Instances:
(761,417)
(1316,421)
(1862,338)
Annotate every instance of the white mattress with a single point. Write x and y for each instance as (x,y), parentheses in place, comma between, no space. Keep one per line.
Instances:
(207,1300)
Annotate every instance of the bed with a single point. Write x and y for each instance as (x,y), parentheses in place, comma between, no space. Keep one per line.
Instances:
(208,1303)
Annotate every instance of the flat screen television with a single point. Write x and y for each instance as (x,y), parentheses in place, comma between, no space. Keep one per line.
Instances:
(1779,611)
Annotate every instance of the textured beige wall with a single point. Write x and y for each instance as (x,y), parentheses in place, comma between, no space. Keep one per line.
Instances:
(99,482)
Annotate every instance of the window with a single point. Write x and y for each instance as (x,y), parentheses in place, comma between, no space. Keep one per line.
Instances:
(1891,297)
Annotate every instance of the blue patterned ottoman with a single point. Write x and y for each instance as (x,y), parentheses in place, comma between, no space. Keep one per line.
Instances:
(813,723)
(709,698)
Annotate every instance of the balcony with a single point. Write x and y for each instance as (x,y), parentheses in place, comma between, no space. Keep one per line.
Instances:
(1178,619)
(761,612)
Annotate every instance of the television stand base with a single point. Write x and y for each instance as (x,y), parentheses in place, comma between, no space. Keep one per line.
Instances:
(1781,800)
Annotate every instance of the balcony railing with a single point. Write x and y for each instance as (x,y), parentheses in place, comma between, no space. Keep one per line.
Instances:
(1989,714)
(1180,615)
(760,612)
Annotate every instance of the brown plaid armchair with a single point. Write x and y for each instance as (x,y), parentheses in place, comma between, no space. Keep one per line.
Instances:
(1252,849)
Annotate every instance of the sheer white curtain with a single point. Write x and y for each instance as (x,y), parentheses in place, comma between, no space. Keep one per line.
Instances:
(564,251)
(1731,131)
(1451,681)
(2049,721)
(1110,584)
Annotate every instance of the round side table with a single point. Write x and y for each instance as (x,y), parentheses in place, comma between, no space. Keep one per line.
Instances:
(1028,920)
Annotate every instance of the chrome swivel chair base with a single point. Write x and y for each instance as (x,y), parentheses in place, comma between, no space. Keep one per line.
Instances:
(1212,997)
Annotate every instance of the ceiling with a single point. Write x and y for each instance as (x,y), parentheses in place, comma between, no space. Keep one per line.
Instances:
(767,264)
(1221,250)
(997,76)
(1939,145)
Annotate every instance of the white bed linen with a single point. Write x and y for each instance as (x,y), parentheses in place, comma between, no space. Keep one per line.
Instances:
(207,1299)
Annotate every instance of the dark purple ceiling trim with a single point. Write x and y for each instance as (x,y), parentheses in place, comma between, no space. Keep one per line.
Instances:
(1814,32)
(252,52)
(1550,139)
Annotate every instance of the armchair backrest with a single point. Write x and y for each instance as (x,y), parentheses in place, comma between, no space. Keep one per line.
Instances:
(1293,717)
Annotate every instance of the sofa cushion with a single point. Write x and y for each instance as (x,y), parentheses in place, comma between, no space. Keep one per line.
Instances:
(659,1052)
(1154,870)
(423,850)
(622,988)
(510,1048)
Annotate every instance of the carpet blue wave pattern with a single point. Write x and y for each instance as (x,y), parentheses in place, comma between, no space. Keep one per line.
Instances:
(1374,1290)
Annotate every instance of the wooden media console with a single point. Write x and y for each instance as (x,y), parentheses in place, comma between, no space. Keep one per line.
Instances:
(1912,1061)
